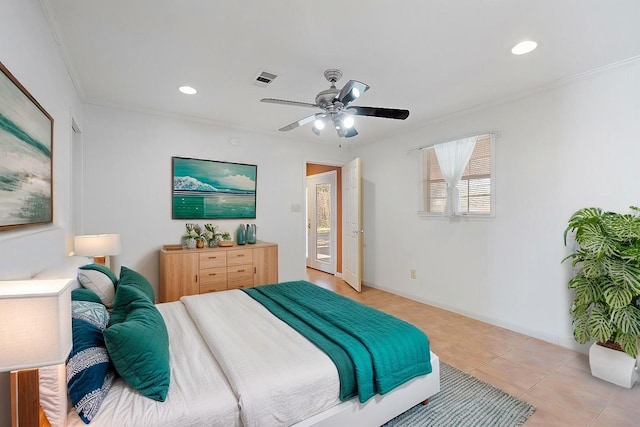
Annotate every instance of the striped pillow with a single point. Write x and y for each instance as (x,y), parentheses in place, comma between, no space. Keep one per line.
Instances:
(89,374)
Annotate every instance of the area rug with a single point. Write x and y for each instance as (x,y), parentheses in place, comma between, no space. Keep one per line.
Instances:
(465,401)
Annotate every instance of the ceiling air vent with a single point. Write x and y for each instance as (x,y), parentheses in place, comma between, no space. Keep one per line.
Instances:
(264,78)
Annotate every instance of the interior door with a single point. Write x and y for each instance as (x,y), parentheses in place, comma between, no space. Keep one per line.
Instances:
(352,228)
(321,222)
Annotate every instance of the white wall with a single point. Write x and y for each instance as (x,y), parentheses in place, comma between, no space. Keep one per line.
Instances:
(562,149)
(128,182)
(28,50)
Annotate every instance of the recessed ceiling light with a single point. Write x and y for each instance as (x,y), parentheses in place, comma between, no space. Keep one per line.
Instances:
(524,47)
(187,90)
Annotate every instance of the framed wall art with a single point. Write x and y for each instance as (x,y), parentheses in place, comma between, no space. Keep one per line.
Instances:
(211,189)
(26,160)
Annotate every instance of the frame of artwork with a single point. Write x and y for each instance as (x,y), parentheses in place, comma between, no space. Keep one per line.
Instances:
(26,157)
(212,189)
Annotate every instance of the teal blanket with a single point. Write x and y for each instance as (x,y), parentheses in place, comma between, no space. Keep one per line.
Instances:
(374,352)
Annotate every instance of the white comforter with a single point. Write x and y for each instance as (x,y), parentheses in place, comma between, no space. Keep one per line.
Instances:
(199,394)
(278,376)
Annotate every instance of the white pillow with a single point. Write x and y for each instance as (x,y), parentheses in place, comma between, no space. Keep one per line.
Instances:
(100,283)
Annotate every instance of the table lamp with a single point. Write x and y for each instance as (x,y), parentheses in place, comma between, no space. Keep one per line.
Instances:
(99,246)
(35,331)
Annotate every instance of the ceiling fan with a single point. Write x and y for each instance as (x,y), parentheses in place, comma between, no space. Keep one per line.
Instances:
(335,103)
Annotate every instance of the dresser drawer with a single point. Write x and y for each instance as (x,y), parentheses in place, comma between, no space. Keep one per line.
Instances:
(239,257)
(240,276)
(213,279)
(213,260)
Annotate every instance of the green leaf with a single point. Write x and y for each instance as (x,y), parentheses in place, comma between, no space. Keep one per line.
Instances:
(601,328)
(594,267)
(593,238)
(624,227)
(627,272)
(617,296)
(578,310)
(631,252)
(582,217)
(627,319)
(587,290)
(581,328)
(629,344)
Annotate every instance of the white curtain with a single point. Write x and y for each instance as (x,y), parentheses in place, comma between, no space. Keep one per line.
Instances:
(453,158)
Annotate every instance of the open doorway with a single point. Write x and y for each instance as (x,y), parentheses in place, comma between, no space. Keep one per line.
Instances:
(324,218)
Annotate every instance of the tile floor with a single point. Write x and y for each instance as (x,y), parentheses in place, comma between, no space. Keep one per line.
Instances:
(555,380)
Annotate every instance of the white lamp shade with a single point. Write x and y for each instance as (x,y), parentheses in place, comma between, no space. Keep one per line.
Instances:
(35,323)
(97,245)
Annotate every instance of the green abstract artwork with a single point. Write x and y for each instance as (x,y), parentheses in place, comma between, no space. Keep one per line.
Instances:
(210,189)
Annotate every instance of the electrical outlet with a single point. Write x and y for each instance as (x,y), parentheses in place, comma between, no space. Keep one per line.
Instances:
(413,274)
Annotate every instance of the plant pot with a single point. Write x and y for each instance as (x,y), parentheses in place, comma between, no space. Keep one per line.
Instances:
(200,244)
(612,365)
(190,243)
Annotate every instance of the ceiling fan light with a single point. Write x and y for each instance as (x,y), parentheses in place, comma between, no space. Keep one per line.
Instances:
(347,122)
(318,124)
(355,92)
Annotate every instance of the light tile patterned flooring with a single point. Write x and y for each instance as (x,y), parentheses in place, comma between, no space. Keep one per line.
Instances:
(555,380)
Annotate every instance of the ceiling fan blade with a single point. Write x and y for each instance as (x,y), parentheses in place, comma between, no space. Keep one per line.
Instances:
(350,91)
(300,122)
(387,113)
(286,102)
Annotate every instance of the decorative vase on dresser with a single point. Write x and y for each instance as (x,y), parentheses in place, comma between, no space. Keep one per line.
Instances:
(188,272)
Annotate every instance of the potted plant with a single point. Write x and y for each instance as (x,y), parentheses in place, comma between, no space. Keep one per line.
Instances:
(211,235)
(605,308)
(192,235)
(225,239)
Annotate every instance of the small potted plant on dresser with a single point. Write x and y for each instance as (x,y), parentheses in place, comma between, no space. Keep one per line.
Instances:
(192,235)
(225,240)
(606,307)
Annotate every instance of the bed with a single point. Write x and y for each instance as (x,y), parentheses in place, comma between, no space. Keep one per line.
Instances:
(281,378)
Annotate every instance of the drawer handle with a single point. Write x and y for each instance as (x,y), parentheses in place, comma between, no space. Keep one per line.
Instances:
(239,255)
(213,257)
(241,271)
(212,274)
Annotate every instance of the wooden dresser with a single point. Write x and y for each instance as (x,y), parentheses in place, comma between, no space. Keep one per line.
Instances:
(197,271)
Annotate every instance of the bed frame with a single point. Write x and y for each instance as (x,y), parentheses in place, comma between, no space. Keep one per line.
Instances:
(380,409)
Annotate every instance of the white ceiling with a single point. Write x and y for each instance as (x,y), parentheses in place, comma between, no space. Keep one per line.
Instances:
(432,57)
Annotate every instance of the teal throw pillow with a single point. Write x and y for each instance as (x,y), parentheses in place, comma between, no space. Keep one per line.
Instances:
(133,278)
(126,294)
(139,349)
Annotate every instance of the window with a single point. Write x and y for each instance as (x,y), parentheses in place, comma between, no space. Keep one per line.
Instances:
(475,185)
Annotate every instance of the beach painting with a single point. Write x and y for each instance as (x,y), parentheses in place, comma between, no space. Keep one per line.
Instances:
(26,145)
(211,189)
